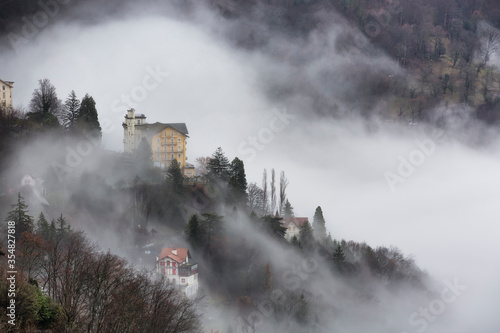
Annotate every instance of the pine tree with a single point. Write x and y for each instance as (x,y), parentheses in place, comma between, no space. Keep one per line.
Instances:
(238,182)
(319,224)
(63,226)
(339,259)
(19,215)
(306,236)
(274,226)
(193,231)
(52,229)
(218,166)
(143,156)
(296,242)
(87,121)
(42,226)
(175,179)
(71,110)
(212,226)
(288,210)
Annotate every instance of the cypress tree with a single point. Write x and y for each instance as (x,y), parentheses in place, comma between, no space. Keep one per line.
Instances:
(319,224)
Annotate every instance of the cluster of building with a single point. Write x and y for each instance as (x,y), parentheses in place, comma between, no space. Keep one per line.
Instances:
(178,268)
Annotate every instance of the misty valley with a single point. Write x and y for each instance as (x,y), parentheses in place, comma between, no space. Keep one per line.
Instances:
(249,166)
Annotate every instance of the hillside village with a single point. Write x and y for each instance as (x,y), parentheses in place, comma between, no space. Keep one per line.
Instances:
(149,239)
(195,236)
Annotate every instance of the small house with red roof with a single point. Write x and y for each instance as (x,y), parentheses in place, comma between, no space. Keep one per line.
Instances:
(179,269)
(293,225)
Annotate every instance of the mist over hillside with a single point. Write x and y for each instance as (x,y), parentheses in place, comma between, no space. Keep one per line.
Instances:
(298,86)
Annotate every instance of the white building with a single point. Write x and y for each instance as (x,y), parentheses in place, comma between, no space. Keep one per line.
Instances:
(293,225)
(175,265)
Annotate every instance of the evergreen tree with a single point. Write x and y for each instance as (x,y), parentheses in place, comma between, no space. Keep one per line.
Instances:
(19,215)
(52,229)
(71,110)
(329,243)
(212,227)
(238,182)
(306,236)
(143,157)
(296,242)
(193,231)
(175,179)
(63,226)
(302,310)
(339,259)
(218,166)
(273,224)
(87,121)
(319,224)
(288,210)
(42,226)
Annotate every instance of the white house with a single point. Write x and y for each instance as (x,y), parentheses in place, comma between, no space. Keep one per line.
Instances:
(175,265)
(293,225)
(37,186)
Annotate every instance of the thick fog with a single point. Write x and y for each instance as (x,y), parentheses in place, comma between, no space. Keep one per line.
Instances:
(432,193)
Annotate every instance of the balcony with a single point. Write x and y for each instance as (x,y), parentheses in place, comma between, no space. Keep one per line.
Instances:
(188,269)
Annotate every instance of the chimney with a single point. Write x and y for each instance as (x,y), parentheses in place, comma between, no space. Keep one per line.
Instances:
(174,251)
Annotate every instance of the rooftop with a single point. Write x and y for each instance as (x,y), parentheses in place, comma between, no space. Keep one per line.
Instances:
(180,257)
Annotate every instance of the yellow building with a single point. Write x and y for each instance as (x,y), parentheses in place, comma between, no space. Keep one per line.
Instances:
(167,141)
(6,88)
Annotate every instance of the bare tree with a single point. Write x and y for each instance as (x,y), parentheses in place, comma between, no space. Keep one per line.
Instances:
(44,99)
(264,192)
(490,43)
(202,165)
(255,199)
(273,191)
(283,186)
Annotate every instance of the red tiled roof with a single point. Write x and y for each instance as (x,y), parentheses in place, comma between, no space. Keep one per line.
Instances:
(181,256)
(298,221)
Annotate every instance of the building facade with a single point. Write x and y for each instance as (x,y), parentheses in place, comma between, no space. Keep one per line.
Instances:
(293,225)
(175,265)
(168,141)
(6,91)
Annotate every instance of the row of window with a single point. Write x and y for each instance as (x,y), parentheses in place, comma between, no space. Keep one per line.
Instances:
(179,148)
(165,156)
(171,140)
(162,263)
